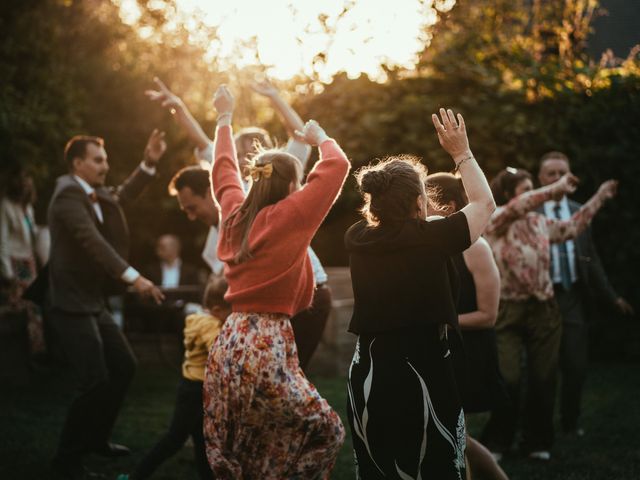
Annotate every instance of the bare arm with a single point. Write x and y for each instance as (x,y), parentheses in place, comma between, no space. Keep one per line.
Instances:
(181,113)
(292,121)
(452,134)
(562,230)
(486,278)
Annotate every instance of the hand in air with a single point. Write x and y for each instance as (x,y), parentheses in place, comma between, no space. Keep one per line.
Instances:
(264,87)
(608,189)
(223,100)
(452,134)
(312,133)
(568,183)
(156,146)
(163,95)
(623,306)
(147,289)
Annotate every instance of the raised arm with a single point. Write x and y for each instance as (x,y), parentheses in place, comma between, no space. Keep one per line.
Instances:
(452,134)
(486,278)
(292,121)
(529,201)
(226,184)
(562,230)
(143,174)
(325,180)
(180,111)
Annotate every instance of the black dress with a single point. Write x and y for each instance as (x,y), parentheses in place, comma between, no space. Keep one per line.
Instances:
(403,405)
(475,355)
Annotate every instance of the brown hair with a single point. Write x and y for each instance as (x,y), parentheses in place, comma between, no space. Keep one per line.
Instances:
(214,293)
(503,186)
(390,188)
(77,147)
(263,192)
(444,188)
(194,177)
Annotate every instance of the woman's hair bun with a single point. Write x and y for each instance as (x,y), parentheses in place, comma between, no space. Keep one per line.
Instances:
(375,182)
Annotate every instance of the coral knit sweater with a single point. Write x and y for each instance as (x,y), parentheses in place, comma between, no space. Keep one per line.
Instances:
(278,278)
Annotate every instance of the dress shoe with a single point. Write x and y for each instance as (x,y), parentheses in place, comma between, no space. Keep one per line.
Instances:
(112,450)
(72,470)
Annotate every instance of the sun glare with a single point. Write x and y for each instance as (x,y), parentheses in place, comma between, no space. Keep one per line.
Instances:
(289,35)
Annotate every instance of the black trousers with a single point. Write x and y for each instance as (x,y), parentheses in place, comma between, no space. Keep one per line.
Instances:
(104,362)
(309,324)
(573,354)
(186,421)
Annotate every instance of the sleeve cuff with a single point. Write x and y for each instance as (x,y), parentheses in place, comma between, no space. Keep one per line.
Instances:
(130,275)
(146,169)
(204,154)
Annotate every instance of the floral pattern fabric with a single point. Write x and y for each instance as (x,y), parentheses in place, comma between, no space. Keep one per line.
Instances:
(263,419)
(520,239)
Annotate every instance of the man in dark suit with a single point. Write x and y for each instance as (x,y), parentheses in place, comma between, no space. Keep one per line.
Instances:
(578,275)
(89,247)
(170,271)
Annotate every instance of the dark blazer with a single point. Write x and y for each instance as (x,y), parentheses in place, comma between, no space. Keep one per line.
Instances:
(189,274)
(591,273)
(86,255)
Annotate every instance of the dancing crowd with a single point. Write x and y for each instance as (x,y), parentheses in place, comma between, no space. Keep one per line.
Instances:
(461,287)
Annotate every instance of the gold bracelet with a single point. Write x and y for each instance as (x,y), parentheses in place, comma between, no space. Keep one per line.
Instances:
(461,162)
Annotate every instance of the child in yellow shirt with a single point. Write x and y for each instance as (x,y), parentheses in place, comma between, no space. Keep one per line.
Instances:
(200,331)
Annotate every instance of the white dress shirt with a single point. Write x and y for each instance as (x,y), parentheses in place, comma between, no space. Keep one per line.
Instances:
(565,214)
(171,274)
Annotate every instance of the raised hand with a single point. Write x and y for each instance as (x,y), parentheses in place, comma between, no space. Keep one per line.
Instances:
(165,96)
(623,306)
(568,183)
(264,87)
(452,134)
(147,289)
(156,146)
(223,101)
(608,189)
(312,133)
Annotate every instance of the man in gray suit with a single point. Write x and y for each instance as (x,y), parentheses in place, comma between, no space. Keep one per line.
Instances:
(578,275)
(89,248)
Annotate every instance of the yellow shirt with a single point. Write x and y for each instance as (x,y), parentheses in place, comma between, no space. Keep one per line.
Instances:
(200,331)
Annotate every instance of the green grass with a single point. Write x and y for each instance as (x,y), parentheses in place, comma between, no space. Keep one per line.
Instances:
(32,416)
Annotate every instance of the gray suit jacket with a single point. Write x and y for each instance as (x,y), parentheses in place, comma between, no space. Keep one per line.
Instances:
(86,255)
(590,270)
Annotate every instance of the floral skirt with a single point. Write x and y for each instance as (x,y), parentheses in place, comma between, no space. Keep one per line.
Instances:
(262,418)
(404,410)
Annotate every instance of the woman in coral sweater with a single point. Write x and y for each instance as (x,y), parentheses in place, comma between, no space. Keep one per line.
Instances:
(263,418)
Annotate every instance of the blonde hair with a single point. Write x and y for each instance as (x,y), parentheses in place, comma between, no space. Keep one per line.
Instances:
(266,191)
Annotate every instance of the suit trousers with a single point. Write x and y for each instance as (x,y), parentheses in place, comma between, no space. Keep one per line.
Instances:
(186,422)
(573,354)
(105,364)
(309,324)
(533,328)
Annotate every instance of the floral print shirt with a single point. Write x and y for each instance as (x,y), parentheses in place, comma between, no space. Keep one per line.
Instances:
(520,239)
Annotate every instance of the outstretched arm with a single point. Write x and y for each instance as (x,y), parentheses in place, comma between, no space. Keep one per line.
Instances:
(562,230)
(529,201)
(180,111)
(292,121)
(452,134)
(486,278)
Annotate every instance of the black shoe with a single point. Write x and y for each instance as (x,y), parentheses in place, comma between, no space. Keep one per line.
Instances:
(72,470)
(112,450)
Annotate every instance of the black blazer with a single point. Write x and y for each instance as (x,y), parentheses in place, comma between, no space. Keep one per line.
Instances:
(590,271)
(88,256)
(189,275)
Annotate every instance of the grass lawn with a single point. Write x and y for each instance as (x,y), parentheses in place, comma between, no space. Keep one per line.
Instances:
(32,415)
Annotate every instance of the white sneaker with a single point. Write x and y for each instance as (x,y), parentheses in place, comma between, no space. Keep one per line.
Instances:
(497,456)
(543,455)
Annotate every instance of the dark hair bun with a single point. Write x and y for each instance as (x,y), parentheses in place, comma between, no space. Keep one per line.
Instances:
(375,182)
